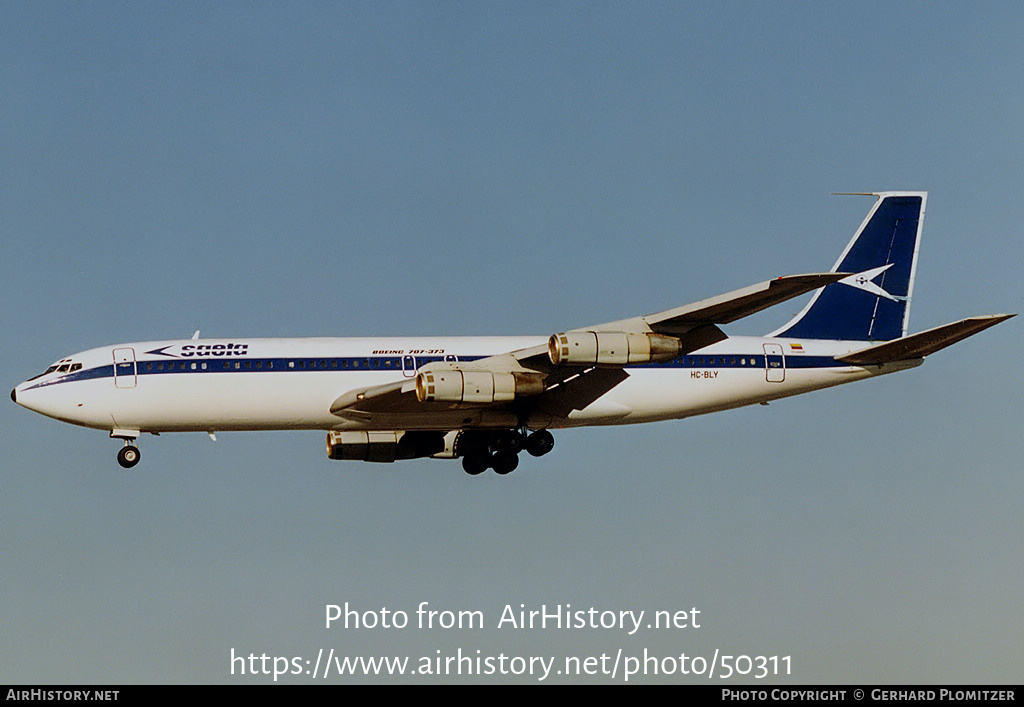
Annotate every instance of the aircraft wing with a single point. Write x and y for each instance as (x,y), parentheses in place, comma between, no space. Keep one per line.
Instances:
(563,388)
(725,308)
(696,324)
(921,344)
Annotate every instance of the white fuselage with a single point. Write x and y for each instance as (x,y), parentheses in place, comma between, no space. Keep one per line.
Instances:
(277,384)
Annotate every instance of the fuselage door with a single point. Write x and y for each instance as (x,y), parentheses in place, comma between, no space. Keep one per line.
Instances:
(125,373)
(408,366)
(774,363)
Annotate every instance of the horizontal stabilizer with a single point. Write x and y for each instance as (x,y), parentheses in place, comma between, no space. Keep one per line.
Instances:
(924,343)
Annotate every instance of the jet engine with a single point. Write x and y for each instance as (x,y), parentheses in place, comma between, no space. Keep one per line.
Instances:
(461,386)
(611,348)
(384,446)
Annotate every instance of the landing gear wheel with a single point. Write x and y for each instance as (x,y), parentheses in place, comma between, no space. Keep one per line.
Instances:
(128,456)
(509,441)
(504,462)
(471,443)
(475,464)
(540,443)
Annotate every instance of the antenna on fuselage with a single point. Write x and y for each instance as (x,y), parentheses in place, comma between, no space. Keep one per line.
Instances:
(196,335)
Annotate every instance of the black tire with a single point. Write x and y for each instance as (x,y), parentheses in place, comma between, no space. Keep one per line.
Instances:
(540,443)
(509,441)
(475,464)
(471,443)
(504,462)
(129,456)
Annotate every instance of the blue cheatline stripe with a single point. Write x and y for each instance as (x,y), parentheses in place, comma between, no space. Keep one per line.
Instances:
(378,364)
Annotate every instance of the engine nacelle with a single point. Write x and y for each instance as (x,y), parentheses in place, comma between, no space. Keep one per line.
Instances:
(460,386)
(611,348)
(384,446)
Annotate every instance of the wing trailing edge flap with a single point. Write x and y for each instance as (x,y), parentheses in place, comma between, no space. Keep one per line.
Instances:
(923,343)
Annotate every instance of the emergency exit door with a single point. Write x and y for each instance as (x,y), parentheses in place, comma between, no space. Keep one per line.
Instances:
(774,363)
(125,373)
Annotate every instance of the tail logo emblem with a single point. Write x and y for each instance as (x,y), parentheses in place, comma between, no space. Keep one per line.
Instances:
(863,281)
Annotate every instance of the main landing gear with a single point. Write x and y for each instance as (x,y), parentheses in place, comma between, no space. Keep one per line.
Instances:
(499,449)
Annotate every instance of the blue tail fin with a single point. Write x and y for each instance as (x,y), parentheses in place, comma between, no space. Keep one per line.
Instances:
(873,304)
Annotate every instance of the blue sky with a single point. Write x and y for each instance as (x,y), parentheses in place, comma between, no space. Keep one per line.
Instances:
(308,169)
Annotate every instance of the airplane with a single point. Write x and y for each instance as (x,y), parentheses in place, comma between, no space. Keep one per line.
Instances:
(486,399)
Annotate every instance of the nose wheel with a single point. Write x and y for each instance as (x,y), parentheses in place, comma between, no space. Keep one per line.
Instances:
(129,455)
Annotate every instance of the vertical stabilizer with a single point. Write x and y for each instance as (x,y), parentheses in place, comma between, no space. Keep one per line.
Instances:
(873,303)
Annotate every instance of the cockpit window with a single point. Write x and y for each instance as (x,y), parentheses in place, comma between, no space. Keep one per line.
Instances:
(64,367)
(51,369)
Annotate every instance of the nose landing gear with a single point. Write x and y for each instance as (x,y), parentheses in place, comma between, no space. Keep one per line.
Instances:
(129,455)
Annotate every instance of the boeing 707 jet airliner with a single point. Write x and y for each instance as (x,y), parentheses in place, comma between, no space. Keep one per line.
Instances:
(486,399)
